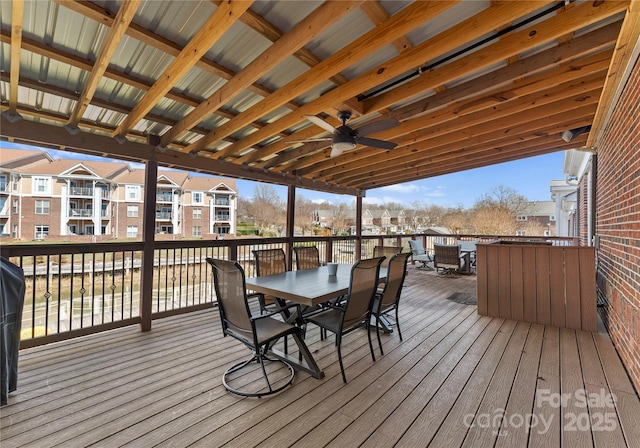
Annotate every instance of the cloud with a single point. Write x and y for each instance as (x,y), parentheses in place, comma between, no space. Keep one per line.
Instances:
(319,201)
(402,188)
(372,200)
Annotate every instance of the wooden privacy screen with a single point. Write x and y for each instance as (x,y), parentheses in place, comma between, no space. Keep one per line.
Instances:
(550,285)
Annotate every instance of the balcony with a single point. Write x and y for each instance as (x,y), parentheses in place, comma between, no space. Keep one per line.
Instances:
(163,216)
(222,201)
(81,191)
(222,217)
(456,378)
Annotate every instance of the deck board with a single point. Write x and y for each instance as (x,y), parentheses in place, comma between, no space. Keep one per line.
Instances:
(163,388)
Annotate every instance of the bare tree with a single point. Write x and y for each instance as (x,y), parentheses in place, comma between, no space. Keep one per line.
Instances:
(267,209)
(304,214)
(342,216)
(496,213)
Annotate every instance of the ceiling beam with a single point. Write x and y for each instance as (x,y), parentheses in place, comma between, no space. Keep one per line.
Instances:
(116,32)
(398,25)
(17,12)
(215,26)
(307,29)
(472,28)
(512,44)
(102,146)
(627,50)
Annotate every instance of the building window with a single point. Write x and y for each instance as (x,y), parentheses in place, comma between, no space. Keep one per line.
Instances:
(547,232)
(132,231)
(15,206)
(132,211)
(133,192)
(197,213)
(222,230)
(197,231)
(14,182)
(197,197)
(522,218)
(15,231)
(3,183)
(41,185)
(552,218)
(41,232)
(42,207)
(520,233)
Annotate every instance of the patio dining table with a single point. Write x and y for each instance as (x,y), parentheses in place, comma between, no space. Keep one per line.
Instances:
(308,287)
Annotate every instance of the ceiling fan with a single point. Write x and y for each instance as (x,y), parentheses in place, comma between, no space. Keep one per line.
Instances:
(345,137)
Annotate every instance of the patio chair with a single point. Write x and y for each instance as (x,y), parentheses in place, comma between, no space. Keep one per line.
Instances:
(307,257)
(387,300)
(269,262)
(418,253)
(355,310)
(451,260)
(386,251)
(256,332)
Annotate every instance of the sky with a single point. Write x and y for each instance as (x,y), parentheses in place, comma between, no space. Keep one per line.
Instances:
(529,177)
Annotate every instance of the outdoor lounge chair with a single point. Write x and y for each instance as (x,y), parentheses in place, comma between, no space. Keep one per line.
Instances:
(256,332)
(418,253)
(387,300)
(354,310)
(451,260)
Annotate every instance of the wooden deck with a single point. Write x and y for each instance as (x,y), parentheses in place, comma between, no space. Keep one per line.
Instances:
(457,379)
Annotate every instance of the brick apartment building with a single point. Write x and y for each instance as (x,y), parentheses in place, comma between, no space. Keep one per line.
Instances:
(71,199)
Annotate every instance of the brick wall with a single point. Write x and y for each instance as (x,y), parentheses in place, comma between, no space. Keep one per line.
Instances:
(618,225)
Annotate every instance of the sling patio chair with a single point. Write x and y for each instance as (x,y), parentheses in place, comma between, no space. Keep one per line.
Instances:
(269,262)
(387,300)
(307,257)
(386,251)
(418,253)
(258,333)
(450,260)
(354,310)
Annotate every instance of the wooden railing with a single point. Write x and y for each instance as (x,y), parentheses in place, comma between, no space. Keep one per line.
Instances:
(78,289)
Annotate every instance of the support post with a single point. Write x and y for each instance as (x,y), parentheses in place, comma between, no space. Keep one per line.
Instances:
(358,247)
(291,213)
(148,246)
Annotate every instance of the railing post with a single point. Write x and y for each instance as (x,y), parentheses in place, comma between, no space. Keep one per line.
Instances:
(358,242)
(148,246)
(291,208)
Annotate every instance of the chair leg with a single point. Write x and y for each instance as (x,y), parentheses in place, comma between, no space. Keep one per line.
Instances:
(378,334)
(344,376)
(398,324)
(373,356)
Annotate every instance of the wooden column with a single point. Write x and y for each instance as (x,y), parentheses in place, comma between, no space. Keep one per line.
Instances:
(358,248)
(291,212)
(148,239)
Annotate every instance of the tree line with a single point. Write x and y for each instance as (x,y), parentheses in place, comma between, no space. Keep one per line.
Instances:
(493,213)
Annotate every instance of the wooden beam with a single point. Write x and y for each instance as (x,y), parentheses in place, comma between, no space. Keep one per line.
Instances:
(307,29)
(219,22)
(627,49)
(120,24)
(472,28)
(527,38)
(99,145)
(17,12)
(398,25)
(377,14)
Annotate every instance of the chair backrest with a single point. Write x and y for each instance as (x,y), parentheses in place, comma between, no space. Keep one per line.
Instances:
(307,257)
(270,261)
(386,251)
(396,272)
(416,247)
(231,291)
(447,255)
(362,288)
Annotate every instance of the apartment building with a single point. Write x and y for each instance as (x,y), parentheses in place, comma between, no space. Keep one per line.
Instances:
(71,199)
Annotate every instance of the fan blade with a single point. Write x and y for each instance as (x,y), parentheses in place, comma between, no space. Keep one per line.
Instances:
(309,140)
(377,126)
(335,152)
(375,143)
(320,122)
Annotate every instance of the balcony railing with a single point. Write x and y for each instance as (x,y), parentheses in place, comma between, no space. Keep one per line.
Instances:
(222,217)
(222,202)
(164,197)
(76,289)
(80,213)
(163,215)
(81,191)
